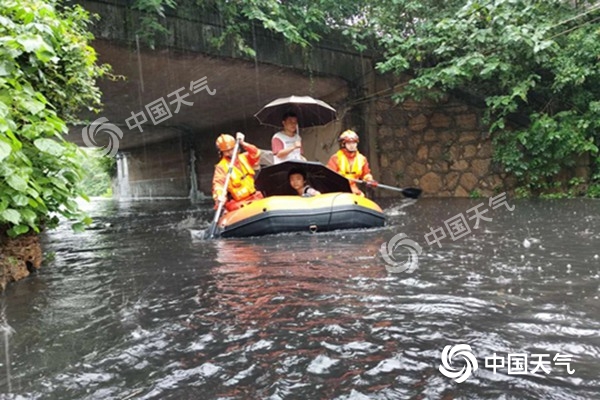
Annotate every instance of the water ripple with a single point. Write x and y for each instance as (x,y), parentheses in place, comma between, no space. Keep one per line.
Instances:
(135,308)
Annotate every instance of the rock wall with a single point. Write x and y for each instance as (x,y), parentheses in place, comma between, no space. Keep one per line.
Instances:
(19,257)
(444,147)
(440,147)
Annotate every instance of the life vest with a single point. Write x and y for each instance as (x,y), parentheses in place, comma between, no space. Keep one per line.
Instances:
(241,182)
(287,143)
(353,171)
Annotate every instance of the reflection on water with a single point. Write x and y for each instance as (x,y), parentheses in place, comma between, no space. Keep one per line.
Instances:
(138,308)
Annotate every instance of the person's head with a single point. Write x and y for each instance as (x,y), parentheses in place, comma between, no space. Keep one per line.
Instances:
(290,123)
(225,144)
(297,178)
(348,140)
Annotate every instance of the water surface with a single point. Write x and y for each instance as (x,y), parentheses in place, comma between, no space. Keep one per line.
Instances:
(137,307)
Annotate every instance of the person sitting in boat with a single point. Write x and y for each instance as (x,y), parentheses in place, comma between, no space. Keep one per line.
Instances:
(348,161)
(240,190)
(297,178)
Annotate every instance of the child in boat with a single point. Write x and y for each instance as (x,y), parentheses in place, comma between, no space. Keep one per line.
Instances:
(297,178)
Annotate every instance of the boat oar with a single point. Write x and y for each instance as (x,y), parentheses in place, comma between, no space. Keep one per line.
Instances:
(213,227)
(412,193)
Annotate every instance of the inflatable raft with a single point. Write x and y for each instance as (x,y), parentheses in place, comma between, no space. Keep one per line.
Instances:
(325,212)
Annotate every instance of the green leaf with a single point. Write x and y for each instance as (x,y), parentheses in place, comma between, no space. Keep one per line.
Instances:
(28,216)
(47,193)
(20,200)
(36,44)
(32,105)
(16,182)
(18,230)
(78,227)
(6,22)
(49,146)
(32,193)
(11,215)
(6,68)
(5,150)
(30,42)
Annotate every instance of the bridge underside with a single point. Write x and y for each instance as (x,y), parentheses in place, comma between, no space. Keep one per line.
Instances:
(234,90)
(167,148)
(180,126)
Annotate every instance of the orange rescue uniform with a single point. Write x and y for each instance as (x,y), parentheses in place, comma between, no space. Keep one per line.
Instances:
(352,166)
(240,190)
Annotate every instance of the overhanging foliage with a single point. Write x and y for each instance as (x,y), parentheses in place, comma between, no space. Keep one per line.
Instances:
(535,64)
(47,73)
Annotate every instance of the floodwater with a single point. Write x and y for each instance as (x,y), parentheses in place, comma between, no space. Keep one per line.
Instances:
(138,308)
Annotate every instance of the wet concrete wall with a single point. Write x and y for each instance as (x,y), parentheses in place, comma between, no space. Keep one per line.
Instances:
(233,87)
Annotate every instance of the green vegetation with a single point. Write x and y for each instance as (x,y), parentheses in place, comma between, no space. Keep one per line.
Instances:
(475,194)
(532,65)
(153,15)
(47,73)
(594,191)
(98,169)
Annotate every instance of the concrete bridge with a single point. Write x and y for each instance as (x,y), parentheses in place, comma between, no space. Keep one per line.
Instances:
(173,101)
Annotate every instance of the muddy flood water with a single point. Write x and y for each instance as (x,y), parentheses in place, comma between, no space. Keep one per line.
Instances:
(140,307)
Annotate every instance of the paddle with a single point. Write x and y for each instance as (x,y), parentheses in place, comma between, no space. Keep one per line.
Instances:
(412,193)
(213,227)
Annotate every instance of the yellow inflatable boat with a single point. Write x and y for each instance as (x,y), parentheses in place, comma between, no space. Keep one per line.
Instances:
(325,212)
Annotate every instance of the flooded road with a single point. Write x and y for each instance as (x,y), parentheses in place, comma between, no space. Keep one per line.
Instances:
(138,308)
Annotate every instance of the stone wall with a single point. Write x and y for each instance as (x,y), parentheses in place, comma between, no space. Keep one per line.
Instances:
(19,257)
(444,148)
(440,147)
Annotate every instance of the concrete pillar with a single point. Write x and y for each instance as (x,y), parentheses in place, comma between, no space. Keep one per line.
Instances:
(123,189)
(194,194)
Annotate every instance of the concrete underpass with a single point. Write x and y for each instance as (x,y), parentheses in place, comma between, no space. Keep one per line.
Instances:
(188,95)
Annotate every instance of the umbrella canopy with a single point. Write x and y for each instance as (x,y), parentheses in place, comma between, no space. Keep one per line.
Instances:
(310,112)
(273,180)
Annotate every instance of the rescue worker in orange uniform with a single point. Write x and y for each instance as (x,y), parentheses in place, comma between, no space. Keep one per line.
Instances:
(240,190)
(348,161)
